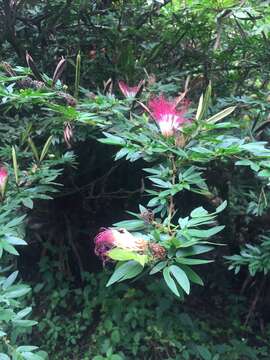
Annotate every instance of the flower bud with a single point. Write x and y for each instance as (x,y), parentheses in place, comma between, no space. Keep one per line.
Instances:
(68,134)
(130,91)
(157,251)
(3,180)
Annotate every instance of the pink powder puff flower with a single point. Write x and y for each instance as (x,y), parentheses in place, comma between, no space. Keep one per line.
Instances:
(3,180)
(108,239)
(167,116)
(129,91)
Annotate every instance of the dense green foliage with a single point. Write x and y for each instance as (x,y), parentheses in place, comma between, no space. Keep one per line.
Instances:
(140,322)
(185,188)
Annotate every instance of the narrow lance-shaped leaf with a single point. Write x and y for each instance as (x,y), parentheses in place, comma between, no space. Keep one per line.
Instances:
(15,165)
(158,267)
(34,149)
(199,109)
(46,148)
(125,271)
(181,277)
(124,255)
(192,275)
(203,103)
(206,101)
(190,261)
(222,114)
(170,282)
(77,75)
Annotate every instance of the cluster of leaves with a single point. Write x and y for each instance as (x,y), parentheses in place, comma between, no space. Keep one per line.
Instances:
(31,171)
(181,168)
(125,322)
(255,257)
(206,40)
(212,39)
(182,160)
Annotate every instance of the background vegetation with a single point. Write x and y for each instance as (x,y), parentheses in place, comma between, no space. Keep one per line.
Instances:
(64,185)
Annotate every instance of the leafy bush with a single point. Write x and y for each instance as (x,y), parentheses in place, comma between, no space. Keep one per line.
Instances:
(137,321)
(205,158)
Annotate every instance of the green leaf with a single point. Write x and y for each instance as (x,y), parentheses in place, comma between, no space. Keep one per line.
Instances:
(13,240)
(161,183)
(205,233)
(26,348)
(77,75)
(124,255)
(194,250)
(222,114)
(10,280)
(158,267)
(189,261)
(15,165)
(27,202)
(16,291)
(180,277)
(24,323)
(112,140)
(204,352)
(125,271)
(132,225)
(4,356)
(204,103)
(264,173)
(198,212)
(192,275)
(16,221)
(116,357)
(183,222)
(31,356)
(21,314)
(6,315)
(46,148)
(221,207)
(121,153)
(170,282)
(254,166)
(33,148)
(8,247)
(199,109)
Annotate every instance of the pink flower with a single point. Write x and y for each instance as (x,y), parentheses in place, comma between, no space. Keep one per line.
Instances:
(129,91)
(167,116)
(121,238)
(3,180)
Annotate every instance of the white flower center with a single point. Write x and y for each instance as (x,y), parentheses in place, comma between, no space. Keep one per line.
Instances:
(168,124)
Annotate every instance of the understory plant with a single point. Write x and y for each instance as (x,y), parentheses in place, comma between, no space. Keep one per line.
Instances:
(28,174)
(185,150)
(142,321)
(180,147)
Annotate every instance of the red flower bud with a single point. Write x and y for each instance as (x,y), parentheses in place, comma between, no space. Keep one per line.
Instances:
(3,180)
(129,91)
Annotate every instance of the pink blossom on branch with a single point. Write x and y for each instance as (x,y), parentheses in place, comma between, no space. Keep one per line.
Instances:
(3,180)
(108,239)
(167,116)
(129,91)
